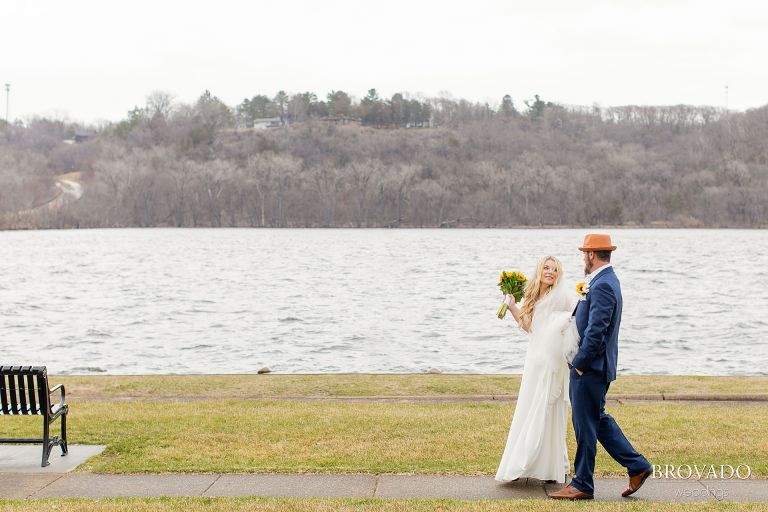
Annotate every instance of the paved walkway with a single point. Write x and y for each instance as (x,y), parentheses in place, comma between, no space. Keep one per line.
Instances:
(21,477)
(59,485)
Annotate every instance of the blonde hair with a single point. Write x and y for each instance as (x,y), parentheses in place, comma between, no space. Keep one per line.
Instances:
(533,291)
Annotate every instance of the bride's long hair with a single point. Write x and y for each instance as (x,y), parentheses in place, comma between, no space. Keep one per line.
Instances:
(533,291)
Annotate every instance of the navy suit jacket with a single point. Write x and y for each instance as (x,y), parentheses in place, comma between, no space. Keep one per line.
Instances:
(597,319)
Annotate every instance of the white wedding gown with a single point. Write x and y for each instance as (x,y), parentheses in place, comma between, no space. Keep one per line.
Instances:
(536,442)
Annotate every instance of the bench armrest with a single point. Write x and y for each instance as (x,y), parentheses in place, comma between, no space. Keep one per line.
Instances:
(60,388)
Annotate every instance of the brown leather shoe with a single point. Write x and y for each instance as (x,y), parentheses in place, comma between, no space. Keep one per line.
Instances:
(570,493)
(635,483)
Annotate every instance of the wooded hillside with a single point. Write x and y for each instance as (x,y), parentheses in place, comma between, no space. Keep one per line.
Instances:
(397,162)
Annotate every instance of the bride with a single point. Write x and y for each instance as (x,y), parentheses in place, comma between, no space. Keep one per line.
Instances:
(536,443)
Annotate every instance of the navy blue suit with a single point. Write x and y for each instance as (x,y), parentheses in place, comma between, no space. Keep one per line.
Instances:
(598,319)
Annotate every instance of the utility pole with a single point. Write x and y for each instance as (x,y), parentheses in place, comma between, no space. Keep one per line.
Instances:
(7,101)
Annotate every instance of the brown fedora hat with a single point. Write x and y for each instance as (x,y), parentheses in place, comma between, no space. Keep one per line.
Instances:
(597,243)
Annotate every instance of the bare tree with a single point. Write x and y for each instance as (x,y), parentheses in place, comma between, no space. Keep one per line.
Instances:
(363,177)
(327,181)
(160,104)
(181,174)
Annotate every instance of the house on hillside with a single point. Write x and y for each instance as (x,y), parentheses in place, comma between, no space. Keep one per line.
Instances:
(82,136)
(266,122)
(346,120)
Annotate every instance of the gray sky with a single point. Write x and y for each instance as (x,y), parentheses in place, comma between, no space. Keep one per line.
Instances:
(93,60)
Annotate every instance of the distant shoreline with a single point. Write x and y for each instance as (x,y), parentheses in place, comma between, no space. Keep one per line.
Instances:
(409,228)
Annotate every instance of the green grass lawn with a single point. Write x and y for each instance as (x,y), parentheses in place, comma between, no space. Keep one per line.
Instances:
(434,438)
(355,505)
(362,385)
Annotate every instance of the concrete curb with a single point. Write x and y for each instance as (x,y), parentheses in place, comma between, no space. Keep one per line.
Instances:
(755,397)
(650,397)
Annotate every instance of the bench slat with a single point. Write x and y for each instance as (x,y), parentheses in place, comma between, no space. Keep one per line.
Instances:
(3,399)
(31,385)
(42,393)
(22,389)
(12,395)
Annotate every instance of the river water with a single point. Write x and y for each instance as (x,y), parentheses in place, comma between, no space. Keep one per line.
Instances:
(148,301)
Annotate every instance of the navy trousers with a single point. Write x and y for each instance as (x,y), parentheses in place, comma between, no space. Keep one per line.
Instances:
(591,424)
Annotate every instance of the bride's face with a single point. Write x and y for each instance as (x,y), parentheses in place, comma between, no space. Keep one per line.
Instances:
(549,273)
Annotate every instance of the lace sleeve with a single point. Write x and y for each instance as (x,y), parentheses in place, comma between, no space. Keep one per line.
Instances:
(568,297)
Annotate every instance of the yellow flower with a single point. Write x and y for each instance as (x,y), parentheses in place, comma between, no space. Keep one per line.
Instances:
(582,288)
(512,276)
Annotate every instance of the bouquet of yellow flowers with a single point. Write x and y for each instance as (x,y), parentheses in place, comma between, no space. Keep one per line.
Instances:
(511,283)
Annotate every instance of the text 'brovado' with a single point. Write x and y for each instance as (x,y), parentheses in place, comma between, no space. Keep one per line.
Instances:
(706,472)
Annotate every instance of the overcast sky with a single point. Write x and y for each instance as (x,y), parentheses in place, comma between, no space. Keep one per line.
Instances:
(91,60)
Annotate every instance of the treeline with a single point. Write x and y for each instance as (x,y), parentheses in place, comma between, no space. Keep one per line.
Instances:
(396,112)
(347,163)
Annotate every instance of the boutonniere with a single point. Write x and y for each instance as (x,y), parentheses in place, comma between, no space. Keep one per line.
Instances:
(582,289)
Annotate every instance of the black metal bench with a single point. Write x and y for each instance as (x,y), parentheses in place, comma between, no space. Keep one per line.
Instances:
(24,392)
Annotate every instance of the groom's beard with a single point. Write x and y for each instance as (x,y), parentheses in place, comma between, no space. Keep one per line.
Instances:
(587,267)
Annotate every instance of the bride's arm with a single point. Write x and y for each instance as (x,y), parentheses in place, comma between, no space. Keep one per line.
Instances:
(512,308)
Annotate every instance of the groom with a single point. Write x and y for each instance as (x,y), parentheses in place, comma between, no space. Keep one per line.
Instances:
(593,369)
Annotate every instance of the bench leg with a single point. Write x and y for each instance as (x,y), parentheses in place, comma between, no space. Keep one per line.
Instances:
(63,442)
(46,443)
